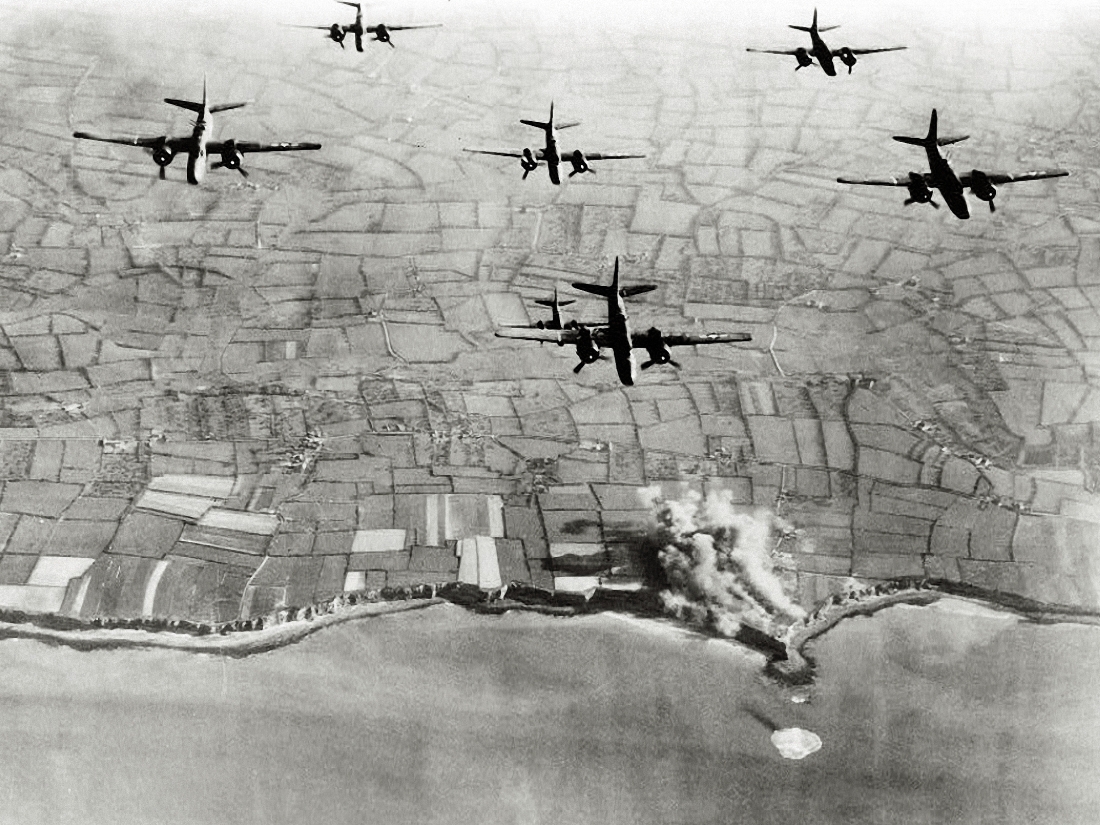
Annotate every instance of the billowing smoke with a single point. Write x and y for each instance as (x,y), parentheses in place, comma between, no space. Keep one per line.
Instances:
(717,558)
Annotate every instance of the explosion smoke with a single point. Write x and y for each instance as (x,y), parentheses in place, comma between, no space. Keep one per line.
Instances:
(718,562)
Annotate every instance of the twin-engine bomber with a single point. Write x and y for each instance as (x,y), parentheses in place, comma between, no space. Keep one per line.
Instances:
(198,145)
(550,154)
(822,52)
(337,32)
(616,333)
(941,176)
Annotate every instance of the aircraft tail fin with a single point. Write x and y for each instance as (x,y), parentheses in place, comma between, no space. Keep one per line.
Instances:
(930,139)
(547,126)
(813,27)
(599,289)
(191,105)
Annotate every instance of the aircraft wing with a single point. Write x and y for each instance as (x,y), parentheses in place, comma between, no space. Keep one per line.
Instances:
(640,339)
(836,52)
(176,144)
(1002,177)
(373,29)
(601,155)
(244,146)
(790,52)
(900,180)
(504,153)
(549,336)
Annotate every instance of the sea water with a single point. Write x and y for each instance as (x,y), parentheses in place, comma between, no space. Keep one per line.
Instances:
(441,716)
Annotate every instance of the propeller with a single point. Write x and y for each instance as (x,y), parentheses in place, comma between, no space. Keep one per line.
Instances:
(161,173)
(223,165)
(652,363)
(911,201)
(582,364)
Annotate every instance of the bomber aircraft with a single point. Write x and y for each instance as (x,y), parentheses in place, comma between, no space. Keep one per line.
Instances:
(381,32)
(617,335)
(550,154)
(822,52)
(198,145)
(555,306)
(941,176)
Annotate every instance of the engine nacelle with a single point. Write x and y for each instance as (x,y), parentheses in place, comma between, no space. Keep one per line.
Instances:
(528,162)
(337,33)
(655,345)
(803,58)
(919,192)
(163,155)
(983,188)
(587,348)
(580,163)
(846,57)
(232,158)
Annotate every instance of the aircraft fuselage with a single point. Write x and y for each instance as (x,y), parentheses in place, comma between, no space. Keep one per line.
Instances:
(823,54)
(945,179)
(551,157)
(619,337)
(196,155)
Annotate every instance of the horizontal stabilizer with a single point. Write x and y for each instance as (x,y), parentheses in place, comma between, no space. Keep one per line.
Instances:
(225,107)
(912,141)
(638,289)
(185,104)
(595,289)
(801,28)
(947,141)
(538,124)
(549,302)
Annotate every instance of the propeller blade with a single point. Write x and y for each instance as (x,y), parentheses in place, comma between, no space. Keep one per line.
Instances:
(648,364)
(992,207)
(526,172)
(162,170)
(674,363)
(244,173)
(217,165)
(577,369)
(933,204)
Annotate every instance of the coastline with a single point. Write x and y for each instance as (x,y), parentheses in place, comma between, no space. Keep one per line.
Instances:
(233,645)
(800,666)
(790,658)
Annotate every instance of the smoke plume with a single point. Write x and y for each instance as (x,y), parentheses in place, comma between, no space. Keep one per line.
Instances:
(717,558)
